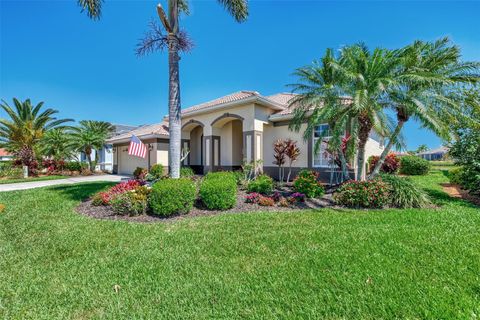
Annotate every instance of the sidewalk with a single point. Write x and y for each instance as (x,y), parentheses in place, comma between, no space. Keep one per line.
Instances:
(72,180)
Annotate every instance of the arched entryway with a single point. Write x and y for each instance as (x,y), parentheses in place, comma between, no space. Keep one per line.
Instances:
(227,142)
(192,138)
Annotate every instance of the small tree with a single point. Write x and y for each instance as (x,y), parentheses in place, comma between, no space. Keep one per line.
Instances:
(292,151)
(279,149)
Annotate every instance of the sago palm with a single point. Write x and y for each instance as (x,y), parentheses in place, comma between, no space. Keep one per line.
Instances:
(89,136)
(429,77)
(27,124)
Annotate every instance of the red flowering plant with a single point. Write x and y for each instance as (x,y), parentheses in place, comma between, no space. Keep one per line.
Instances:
(265,201)
(363,194)
(105,197)
(390,165)
(252,197)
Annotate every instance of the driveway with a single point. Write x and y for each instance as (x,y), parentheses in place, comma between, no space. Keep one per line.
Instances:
(71,180)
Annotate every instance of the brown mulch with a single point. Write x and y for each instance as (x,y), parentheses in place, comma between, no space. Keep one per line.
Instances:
(105,212)
(455,191)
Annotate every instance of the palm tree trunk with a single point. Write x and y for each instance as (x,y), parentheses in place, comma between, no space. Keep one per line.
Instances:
(363,134)
(174,108)
(343,160)
(387,149)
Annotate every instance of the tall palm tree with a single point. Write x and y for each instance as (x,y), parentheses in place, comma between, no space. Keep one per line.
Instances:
(27,125)
(89,136)
(175,41)
(363,76)
(429,77)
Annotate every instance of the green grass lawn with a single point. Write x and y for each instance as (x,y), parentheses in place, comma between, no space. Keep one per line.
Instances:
(336,264)
(42,178)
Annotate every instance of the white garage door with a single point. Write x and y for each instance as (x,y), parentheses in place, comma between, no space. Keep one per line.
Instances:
(127,163)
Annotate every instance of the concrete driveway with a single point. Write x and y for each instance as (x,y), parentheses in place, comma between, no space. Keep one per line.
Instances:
(71,180)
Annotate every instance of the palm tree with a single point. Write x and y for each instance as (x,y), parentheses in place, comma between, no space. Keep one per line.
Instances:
(429,77)
(58,144)
(27,125)
(91,135)
(175,41)
(364,77)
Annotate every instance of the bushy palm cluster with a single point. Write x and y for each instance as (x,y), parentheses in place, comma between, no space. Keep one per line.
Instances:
(37,132)
(352,91)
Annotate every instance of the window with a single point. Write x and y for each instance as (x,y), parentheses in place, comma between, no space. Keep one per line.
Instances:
(321,158)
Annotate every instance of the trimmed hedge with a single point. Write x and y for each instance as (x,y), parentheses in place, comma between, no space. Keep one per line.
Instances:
(218,190)
(186,172)
(262,184)
(414,166)
(172,196)
(156,171)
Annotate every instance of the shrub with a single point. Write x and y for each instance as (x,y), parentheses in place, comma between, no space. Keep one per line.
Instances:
(252,197)
(456,175)
(265,201)
(413,165)
(140,173)
(262,184)
(156,171)
(172,196)
(133,202)
(186,172)
(404,193)
(120,188)
(308,184)
(296,197)
(363,194)
(218,191)
(9,171)
(390,165)
(97,199)
(73,166)
(283,202)
(276,196)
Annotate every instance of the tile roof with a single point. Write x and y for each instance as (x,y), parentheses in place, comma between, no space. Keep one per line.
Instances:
(4,153)
(145,130)
(236,96)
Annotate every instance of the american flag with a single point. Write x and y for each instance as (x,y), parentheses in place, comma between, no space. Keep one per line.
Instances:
(137,148)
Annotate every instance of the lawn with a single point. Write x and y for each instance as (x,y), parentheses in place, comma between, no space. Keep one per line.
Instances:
(56,264)
(41,178)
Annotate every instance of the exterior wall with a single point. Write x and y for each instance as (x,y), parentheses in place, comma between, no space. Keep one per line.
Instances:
(226,135)
(123,163)
(372,148)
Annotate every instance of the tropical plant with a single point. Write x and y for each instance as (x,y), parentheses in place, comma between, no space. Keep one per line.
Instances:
(466,152)
(176,40)
(404,193)
(391,164)
(307,183)
(27,126)
(363,194)
(57,144)
(279,154)
(422,148)
(89,136)
(346,92)
(292,151)
(413,165)
(428,78)
(262,184)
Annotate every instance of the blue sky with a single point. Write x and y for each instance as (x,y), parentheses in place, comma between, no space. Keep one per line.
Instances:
(51,52)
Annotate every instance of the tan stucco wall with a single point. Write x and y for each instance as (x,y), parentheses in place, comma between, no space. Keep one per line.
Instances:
(195,146)
(162,154)
(271,134)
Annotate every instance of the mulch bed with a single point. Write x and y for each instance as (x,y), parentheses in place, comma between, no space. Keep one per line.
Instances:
(105,212)
(456,191)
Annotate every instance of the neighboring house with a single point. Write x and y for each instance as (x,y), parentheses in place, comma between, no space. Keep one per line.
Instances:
(5,156)
(223,133)
(435,154)
(105,156)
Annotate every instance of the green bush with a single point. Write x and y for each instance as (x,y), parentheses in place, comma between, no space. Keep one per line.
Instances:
(133,202)
(73,166)
(308,184)
(186,172)
(218,191)
(140,173)
(262,184)
(404,193)
(363,194)
(172,196)
(7,170)
(414,166)
(456,175)
(156,171)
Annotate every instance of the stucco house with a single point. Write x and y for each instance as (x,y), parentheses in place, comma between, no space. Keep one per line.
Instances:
(223,133)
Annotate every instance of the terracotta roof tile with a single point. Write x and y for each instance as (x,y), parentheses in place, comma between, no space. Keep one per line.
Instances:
(149,129)
(240,95)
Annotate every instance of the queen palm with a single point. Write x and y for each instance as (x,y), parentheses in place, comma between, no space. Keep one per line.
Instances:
(362,75)
(429,76)
(175,41)
(27,125)
(89,136)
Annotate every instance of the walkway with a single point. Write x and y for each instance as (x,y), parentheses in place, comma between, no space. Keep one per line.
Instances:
(71,180)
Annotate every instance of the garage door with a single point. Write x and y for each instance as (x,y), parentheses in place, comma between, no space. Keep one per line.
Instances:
(127,163)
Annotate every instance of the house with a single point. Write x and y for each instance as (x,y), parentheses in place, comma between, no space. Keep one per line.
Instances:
(223,133)
(435,154)
(105,156)
(5,155)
